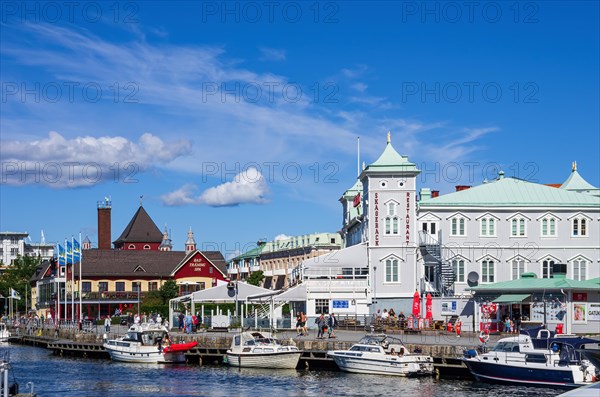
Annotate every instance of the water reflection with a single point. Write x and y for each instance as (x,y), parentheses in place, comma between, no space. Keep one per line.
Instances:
(65,376)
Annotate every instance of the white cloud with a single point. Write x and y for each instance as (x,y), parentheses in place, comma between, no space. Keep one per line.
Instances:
(271,54)
(85,160)
(360,87)
(173,96)
(247,187)
(356,72)
(282,237)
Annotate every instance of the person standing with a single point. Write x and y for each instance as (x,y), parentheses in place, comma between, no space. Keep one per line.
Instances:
(332,322)
(321,324)
(303,321)
(181,318)
(107,324)
(299,324)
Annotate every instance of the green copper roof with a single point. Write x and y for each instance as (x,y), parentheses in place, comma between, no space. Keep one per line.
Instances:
(253,253)
(390,160)
(354,190)
(576,182)
(529,284)
(511,192)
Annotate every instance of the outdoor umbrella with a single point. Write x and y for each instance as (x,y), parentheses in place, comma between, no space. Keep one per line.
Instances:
(416,308)
(429,307)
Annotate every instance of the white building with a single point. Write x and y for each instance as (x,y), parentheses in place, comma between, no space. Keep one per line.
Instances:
(493,232)
(12,244)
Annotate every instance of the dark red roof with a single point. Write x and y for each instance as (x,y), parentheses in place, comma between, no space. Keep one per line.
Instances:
(128,263)
(111,263)
(141,229)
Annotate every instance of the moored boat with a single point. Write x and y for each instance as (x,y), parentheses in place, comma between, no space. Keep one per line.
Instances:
(261,350)
(382,355)
(4,333)
(147,343)
(515,360)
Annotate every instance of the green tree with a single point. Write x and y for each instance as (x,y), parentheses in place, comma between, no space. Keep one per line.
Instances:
(17,277)
(158,301)
(256,277)
(169,290)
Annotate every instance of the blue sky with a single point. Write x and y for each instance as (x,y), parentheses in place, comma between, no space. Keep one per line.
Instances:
(241,119)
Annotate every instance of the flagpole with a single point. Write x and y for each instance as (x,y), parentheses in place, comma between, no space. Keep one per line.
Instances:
(80,260)
(57,314)
(66,270)
(73,280)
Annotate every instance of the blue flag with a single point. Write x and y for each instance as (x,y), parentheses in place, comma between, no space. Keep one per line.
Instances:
(61,255)
(76,251)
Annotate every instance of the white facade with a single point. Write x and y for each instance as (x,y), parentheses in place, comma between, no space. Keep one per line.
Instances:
(490,233)
(12,244)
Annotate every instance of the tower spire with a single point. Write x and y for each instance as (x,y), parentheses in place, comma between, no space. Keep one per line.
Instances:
(389,138)
(574,166)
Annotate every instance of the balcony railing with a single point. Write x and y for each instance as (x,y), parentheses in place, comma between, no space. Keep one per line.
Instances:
(112,295)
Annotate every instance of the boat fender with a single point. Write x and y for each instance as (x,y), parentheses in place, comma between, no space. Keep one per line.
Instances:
(470,353)
(555,347)
(484,336)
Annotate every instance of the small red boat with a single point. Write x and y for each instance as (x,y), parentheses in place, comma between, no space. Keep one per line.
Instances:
(179,347)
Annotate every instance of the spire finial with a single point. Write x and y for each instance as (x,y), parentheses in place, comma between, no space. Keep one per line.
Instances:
(141,197)
(389,139)
(363,166)
(574,166)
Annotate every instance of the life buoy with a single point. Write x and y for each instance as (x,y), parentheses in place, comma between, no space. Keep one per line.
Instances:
(484,336)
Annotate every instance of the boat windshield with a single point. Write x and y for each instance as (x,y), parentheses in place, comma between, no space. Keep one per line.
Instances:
(506,347)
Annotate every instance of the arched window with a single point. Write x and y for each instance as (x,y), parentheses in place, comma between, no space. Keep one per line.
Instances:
(488,271)
(547,266)
(518,227)
(458,267)
(458,226)
(488,226)
(580,266)
(131,246)
(146,247)
(518,268)
(392,270)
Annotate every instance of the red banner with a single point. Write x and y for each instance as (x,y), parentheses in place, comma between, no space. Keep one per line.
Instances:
(356,201)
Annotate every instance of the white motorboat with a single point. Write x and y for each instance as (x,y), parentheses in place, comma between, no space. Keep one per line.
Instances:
(261,350)
(4,333)
(382,355)
(147,343)
(516,360)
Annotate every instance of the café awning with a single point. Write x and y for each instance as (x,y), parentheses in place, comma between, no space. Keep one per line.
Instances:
(511,298)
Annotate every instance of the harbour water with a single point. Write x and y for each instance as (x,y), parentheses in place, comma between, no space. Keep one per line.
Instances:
(68,376)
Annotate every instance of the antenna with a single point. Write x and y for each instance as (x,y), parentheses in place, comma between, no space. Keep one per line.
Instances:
(358,155)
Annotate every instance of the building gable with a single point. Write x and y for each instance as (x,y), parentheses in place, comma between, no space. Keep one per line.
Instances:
(196,264)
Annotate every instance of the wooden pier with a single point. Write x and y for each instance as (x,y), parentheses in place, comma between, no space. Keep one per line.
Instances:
(212,349)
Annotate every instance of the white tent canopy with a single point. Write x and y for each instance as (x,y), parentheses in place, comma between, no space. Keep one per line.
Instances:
(223,294)
(294,294)
(354,256)
(219,294)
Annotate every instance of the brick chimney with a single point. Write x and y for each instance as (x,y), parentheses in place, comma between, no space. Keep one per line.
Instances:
(462,187)
(435,193)
(104,238)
